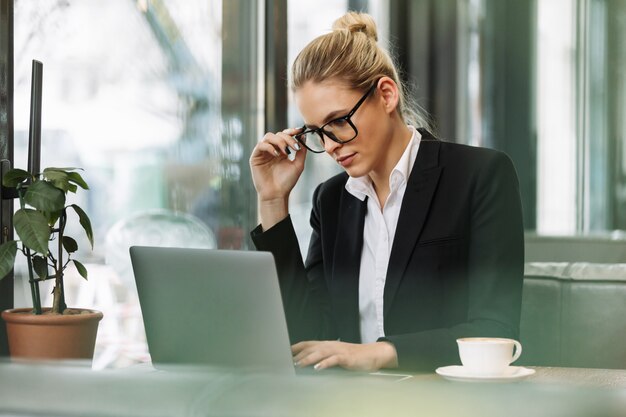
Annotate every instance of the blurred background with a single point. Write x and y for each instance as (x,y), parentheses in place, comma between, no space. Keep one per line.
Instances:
(161,101)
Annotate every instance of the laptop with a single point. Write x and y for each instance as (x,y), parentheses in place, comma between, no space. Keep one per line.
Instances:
(212,307)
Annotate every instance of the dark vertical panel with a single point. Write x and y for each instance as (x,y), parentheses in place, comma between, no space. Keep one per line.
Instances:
(418,52)
(507,75)
(275,65)
(616,67)
(444,72)
(240,115)
(423,33)
(6,146)
(596,134)
(399,36)
(358,5)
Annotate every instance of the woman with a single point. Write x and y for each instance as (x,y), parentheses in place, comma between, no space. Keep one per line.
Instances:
(418,243)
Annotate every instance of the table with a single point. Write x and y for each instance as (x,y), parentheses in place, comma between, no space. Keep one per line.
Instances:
(74,391)
(571,377)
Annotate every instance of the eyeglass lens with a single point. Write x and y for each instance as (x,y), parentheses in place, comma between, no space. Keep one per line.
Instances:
(338,130)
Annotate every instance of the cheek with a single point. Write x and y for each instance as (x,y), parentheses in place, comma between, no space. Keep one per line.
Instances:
(375,135)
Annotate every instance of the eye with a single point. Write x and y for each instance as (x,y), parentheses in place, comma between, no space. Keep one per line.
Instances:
(338,123)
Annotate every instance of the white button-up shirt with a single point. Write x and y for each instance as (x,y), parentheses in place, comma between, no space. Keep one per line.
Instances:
(378,233)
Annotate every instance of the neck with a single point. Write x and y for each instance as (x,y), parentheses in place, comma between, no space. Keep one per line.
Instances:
(399,139)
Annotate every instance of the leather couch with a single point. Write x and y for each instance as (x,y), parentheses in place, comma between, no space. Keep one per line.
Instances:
(574,314)
(605,248)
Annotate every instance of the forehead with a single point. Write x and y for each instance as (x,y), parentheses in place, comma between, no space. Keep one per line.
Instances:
(316,101)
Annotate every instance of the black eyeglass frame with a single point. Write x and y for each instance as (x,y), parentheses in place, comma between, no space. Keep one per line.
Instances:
(321,132)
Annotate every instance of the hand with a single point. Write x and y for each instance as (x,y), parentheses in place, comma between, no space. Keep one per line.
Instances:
(361,357)
(274,175)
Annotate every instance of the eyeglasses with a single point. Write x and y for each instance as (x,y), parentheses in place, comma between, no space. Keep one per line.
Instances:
(340,130)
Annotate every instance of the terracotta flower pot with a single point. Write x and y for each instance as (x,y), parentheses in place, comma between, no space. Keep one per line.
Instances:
(48,336)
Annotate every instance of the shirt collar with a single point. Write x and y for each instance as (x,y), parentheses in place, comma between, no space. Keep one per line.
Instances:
(361,187)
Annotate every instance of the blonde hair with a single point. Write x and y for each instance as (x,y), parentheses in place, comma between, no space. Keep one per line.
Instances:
(351,54)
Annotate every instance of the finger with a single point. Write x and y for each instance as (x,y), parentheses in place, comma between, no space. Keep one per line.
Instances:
(298,347)
(298,357)
(312,358)
(267,148)
(300,157)
(292,132)
(276,141)
(281,141)
(290,143)
(293,142)
(304,350)
(329,362)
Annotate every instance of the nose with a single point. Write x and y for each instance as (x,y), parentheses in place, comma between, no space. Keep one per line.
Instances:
(330,145)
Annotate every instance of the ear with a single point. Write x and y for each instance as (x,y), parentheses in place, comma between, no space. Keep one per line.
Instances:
(389,93)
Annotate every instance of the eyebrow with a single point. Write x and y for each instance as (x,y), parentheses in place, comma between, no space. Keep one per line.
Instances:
(330,116)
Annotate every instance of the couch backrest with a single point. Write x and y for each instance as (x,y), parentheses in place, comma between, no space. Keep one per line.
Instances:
(605,249)
(574,314)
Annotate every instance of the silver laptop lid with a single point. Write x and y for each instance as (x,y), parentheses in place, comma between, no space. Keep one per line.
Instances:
(212,307)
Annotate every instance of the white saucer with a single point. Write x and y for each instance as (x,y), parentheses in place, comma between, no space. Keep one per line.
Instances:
(459,373)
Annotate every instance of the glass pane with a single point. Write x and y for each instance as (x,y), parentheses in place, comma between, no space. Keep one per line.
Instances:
(556,135)
(133,92)
(470,104)
(578,97)
(616,65)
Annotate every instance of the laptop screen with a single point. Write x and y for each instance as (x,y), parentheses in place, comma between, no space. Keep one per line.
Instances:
(212,307)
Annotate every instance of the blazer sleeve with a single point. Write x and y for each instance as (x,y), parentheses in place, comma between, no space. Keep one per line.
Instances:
(494,272)
(303,288)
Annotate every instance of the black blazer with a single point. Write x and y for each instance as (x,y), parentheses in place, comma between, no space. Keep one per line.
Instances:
(456,265)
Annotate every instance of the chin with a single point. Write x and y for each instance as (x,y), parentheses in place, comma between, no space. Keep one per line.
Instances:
(356,172)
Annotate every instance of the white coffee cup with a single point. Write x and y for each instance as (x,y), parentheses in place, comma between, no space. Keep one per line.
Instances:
(488,356)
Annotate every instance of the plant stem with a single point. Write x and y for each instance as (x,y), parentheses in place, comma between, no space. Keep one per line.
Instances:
(59,291)
(34,285)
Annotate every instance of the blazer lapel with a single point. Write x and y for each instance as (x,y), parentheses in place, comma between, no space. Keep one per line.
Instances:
(415,206)
(346,266)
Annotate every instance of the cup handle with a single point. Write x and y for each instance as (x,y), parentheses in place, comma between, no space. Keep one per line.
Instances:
(518,351)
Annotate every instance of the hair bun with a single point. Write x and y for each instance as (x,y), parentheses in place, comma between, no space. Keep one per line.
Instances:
(355,22)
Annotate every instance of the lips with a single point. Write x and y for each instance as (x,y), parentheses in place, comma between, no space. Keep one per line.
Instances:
(345,160)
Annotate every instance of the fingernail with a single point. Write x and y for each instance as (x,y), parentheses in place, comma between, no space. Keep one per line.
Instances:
(317,367)
(276,152)
(296,146)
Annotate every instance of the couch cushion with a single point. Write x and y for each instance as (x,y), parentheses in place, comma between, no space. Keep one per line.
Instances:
(574,314)
(540,324)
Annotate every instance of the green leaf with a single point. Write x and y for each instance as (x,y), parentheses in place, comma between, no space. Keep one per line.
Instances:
(81,268)
(85,222)
(70,244)
(40,265)
(32,228)
(14,177)
(76,178)
(64,169)
(59,179)
(52,217)
(7,257)
(44,196)
(72,188)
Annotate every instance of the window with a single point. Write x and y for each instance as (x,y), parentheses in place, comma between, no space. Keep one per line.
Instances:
(580,99)
(161,109)
(557,110)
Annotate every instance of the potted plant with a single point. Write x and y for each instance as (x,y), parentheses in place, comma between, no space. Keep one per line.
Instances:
(40,223)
